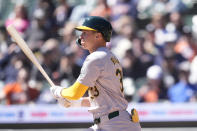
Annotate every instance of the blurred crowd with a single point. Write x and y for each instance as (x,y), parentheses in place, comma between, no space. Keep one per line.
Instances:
(155,41)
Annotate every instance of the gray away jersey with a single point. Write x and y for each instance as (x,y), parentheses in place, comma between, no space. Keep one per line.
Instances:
(102,73)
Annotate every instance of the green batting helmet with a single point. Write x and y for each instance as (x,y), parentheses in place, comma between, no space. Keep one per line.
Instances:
(96,23)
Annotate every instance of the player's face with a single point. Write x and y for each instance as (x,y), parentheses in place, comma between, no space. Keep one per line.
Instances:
(88,39)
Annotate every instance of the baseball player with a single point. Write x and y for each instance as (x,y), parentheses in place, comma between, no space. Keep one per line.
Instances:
(101,75)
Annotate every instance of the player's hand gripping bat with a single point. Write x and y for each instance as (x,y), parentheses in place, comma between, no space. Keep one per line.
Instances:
(22,44)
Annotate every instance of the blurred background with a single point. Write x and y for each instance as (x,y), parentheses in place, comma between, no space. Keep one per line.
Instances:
(155,41)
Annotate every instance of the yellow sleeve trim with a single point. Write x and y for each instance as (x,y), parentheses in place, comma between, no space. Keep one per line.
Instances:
(74,92)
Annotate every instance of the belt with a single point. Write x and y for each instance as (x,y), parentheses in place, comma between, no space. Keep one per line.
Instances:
(110,116)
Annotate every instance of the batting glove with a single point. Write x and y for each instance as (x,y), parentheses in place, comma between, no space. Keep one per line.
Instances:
(64,102)
(56,91)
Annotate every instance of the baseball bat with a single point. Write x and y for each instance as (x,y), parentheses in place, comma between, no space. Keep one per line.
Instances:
(24,47)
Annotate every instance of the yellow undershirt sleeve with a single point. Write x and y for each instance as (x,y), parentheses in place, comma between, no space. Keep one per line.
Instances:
(74,92)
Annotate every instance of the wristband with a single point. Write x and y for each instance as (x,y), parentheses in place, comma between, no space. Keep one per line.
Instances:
(58,92)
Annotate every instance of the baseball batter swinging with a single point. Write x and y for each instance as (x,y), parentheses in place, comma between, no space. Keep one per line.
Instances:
(101,75)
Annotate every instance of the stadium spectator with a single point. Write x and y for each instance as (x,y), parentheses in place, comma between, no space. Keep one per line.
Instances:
(51,58)
(3,41)
(140,60)
(10,64)
(122,8)
(154,90)
(185,48)
(124,28)
(62,13)
(47,7)
(19,92)
(170,71)
(68,38)
(38,32)
(183,90)
(19,19)
(82,10)
(102,9)
(193,71)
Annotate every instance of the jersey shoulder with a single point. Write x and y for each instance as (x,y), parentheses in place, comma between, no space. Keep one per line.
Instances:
(99,55)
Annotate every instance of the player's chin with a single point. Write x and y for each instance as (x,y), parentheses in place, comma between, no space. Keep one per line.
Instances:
(83,45)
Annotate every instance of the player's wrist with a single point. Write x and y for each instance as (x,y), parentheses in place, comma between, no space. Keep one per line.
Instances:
(82,102)
(76,103)
(64,102)
(58,92)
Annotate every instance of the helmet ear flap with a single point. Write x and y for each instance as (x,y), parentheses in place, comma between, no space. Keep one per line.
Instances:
(78,42)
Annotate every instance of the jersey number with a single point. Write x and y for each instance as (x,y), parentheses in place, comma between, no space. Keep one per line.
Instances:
(119,73)
(94,92)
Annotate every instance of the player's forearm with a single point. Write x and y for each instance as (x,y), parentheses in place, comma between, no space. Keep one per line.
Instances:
(82,102)
(85,102)
(75,92)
